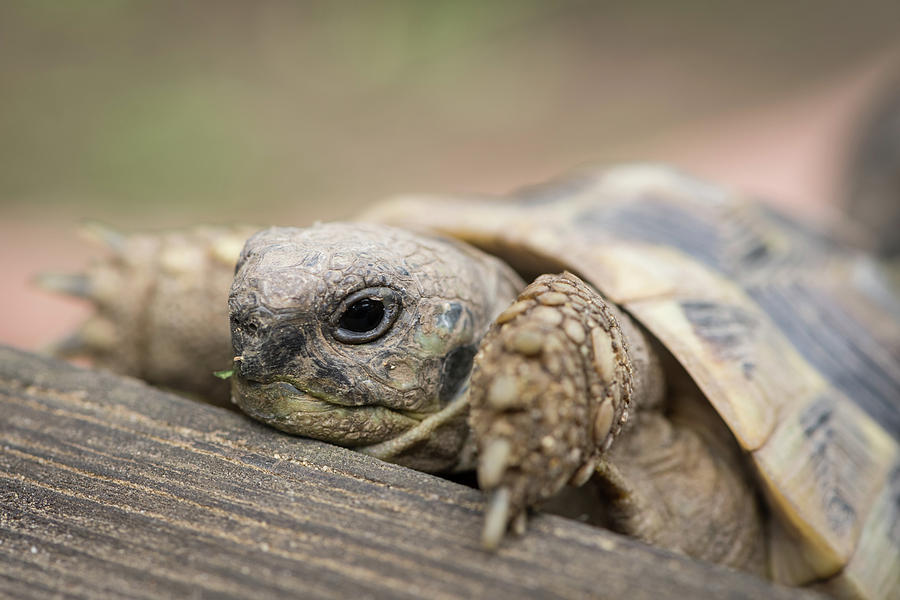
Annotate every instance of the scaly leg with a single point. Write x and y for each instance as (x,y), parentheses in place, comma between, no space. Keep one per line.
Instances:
(565,386)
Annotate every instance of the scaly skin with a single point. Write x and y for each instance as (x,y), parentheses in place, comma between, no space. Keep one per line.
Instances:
(161,306)
(552,388)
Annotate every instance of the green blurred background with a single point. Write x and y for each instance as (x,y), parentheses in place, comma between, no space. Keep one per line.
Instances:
(153,113)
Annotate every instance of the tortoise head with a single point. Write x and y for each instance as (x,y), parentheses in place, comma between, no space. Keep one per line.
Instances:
(354,334)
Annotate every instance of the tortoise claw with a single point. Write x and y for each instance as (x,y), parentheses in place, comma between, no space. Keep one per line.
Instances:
(493,462)
(96,337)
(519,522)
(496,519)
(77,285)
(72,345)
(102,234)
(584,472)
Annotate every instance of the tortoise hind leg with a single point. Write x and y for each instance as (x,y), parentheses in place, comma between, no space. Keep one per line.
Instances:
(668,484)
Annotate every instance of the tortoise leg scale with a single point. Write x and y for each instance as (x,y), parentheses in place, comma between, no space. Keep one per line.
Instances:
(566,390)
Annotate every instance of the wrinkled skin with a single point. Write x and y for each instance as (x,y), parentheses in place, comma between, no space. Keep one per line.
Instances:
(299,368)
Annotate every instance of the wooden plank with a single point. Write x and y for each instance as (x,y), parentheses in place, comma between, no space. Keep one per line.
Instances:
(109,488)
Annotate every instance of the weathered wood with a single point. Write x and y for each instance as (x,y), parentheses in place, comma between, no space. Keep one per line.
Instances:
(109,488)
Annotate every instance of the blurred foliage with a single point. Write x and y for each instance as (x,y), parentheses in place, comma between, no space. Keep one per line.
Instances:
(225,108)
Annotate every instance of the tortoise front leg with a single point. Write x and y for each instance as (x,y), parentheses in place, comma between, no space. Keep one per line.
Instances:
(565,387)
(554,383)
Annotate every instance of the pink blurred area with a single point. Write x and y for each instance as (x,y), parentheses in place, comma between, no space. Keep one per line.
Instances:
(257,114)
(33,318)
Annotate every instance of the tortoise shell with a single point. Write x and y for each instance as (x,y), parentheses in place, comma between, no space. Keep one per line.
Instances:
(792,335)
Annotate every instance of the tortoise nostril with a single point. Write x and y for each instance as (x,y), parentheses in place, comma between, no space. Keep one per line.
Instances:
(249,367)
(243,331)
(244,325)
(245,338)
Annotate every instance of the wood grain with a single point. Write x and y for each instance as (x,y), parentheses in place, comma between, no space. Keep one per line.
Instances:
(110,488)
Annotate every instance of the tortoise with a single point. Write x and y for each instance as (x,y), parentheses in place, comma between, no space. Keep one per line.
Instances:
(718,379)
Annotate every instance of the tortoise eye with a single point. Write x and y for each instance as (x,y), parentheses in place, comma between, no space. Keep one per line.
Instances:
(365,316)
(362,316)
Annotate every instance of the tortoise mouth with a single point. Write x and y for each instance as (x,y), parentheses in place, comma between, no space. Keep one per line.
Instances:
(292,410)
